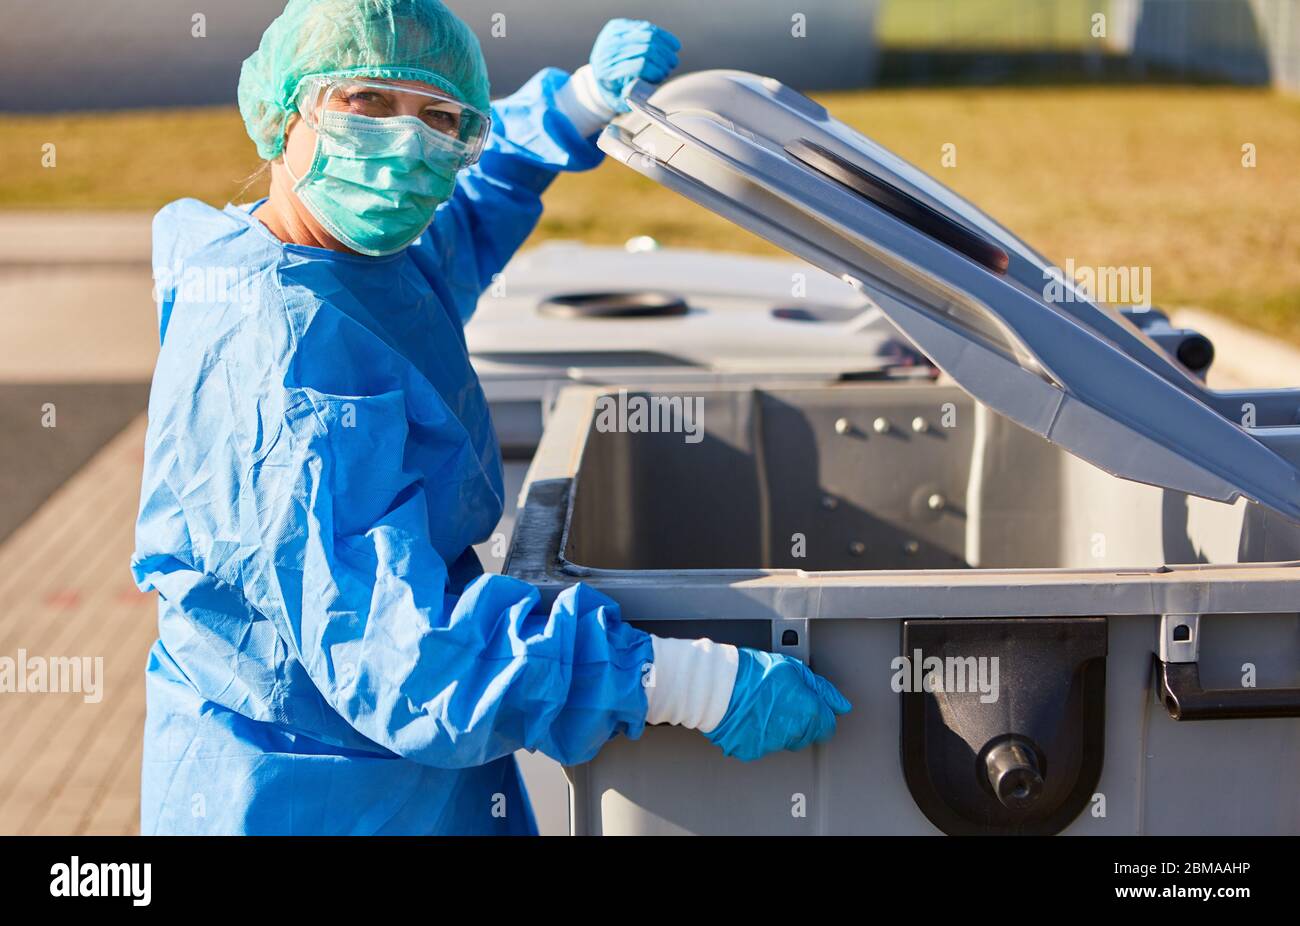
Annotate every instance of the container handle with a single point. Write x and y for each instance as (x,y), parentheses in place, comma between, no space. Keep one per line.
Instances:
(1178,676)
(1185,699)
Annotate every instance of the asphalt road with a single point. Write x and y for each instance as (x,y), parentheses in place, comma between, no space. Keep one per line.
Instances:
(51,430)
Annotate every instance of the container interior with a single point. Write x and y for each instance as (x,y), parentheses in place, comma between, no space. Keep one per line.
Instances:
(877,476)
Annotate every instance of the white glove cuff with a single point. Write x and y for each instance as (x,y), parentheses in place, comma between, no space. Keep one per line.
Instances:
(579,99)
(691,683)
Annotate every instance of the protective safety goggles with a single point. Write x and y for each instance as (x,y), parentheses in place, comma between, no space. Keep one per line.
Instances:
(385,99)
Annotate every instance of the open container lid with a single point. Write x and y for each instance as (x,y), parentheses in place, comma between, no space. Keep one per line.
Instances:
(966,291)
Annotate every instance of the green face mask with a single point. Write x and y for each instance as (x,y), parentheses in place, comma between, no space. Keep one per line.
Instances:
(374,183)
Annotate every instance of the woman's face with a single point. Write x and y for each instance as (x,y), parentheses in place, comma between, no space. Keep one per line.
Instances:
(361,97)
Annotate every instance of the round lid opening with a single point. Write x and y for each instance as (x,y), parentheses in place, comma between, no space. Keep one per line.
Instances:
(635,304)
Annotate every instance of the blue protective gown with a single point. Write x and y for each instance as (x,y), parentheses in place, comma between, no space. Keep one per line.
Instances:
(319,461)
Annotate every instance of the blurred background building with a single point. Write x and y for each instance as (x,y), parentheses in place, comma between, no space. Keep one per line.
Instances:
(76,47)
(68,55)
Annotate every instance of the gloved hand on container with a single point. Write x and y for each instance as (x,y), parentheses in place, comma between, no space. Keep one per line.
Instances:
(746,702)
(625,51)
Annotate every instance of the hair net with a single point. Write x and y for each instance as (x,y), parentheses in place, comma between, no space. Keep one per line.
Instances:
(400,39)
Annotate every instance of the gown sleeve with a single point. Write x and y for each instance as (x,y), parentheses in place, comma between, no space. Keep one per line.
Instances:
(497,201)
(346,514)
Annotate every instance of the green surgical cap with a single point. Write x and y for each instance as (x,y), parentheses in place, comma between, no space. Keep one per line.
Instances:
(398,39)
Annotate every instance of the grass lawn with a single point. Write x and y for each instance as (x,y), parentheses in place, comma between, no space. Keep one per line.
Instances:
(1035,24)
(1109,176)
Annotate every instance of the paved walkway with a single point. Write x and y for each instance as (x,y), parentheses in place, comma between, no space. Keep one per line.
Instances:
(75,307)
(71,766)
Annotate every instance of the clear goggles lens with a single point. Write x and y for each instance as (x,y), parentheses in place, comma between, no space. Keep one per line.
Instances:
(383,99)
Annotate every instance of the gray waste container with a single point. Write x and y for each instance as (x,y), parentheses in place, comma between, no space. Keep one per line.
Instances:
(571,313)
(1035,579)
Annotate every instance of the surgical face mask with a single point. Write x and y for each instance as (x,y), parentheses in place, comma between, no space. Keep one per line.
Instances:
(374,183)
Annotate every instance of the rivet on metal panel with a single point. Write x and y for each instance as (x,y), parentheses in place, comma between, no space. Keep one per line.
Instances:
(1180,637)
(843,426)
(920,425)
(857,548)
(880,425)
(830,502)
(936,502)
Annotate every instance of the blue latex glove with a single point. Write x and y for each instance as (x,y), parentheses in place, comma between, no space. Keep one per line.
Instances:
(628,49)
(777,703)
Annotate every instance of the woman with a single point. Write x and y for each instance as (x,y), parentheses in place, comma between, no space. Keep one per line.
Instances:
(320,461)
